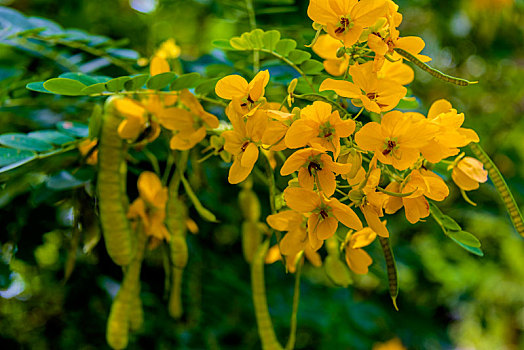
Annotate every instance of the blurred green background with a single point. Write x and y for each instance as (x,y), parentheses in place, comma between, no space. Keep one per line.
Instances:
(449,298)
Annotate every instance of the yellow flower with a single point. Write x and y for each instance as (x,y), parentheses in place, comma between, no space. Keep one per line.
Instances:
(243,95)
(397,72)
(345,20)
(376,95)
(373,201)
(277,127)
(397,140)
(150,206)
(356,257)
(168,49)
(448,135)
(314,167)
(296,238)
(138,123)
(86,149)
(319,127)
(189,125)
(468,173)
(423,183)
(324,214)
(326,47)
(393,344)
(242,142)
(158,65)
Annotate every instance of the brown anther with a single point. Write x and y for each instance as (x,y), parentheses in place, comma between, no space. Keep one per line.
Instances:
(323,214)
(372,95)
(244,146)
(313,165)
(250,99)
(390,147)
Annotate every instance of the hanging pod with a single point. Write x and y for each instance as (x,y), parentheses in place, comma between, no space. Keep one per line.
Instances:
(111,188)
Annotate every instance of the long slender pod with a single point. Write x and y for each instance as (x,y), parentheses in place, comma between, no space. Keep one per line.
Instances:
(176,215)
(501,186)
(434,72)
(124,312)
(391,266)
(265,326)
(111,190)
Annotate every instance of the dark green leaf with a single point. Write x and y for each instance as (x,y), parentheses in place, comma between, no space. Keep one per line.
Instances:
(51,136)
(24,142)
(84,79)
(206,86)
(10,155)
(73,128)
(474,250)
(38,87)
(124,53)
(186,81)
(94,89)
(64,180)
(116,84)
(136,82)
(160,81)
(64,86)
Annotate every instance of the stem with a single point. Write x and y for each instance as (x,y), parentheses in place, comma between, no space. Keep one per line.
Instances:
(296,299)
(253,25)
(271,184)
(265,326)
(288,62)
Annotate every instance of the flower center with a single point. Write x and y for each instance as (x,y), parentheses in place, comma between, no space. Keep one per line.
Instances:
(324,214)
(244,145)
(390,146)
(313,167)
(344,24)
(326,130)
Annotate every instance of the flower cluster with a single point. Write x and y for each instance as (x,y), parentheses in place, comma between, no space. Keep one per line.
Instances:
(326,152)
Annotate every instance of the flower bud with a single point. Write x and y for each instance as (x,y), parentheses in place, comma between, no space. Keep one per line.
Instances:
(468,173)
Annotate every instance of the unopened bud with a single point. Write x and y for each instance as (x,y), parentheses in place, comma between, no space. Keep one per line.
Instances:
(341,52)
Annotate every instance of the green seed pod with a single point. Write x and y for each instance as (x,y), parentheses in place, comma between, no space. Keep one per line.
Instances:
(175,295)
(434,72)
(501,186)
(117,332)
(111,190)
(179,253)
(391,268)
(136,312)
(251,238)
(249,205)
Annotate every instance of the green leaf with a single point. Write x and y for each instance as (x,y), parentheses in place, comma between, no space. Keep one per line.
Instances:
(270,39)
(255,37)
(408,103)
(474,250)
(24,142)
(94,89)
(84,79)
(312,67)
(64,86)
(10,155)
(116,84)
(37,86)
(186,81)
(51,136)
(160,81)
(206,86)
(465,238)
(298,56)
(73,128)
(95,122)
(449,223)
(240,43)
(223,44)
(285,46)
(136,82)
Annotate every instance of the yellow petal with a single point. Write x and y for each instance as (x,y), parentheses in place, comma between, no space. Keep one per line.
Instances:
(358,260)
(341,87)
(362,238)
(301,199)
(250,156)
(345,214)
(232,86)
(148,186)
(158,65)
(238,173)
